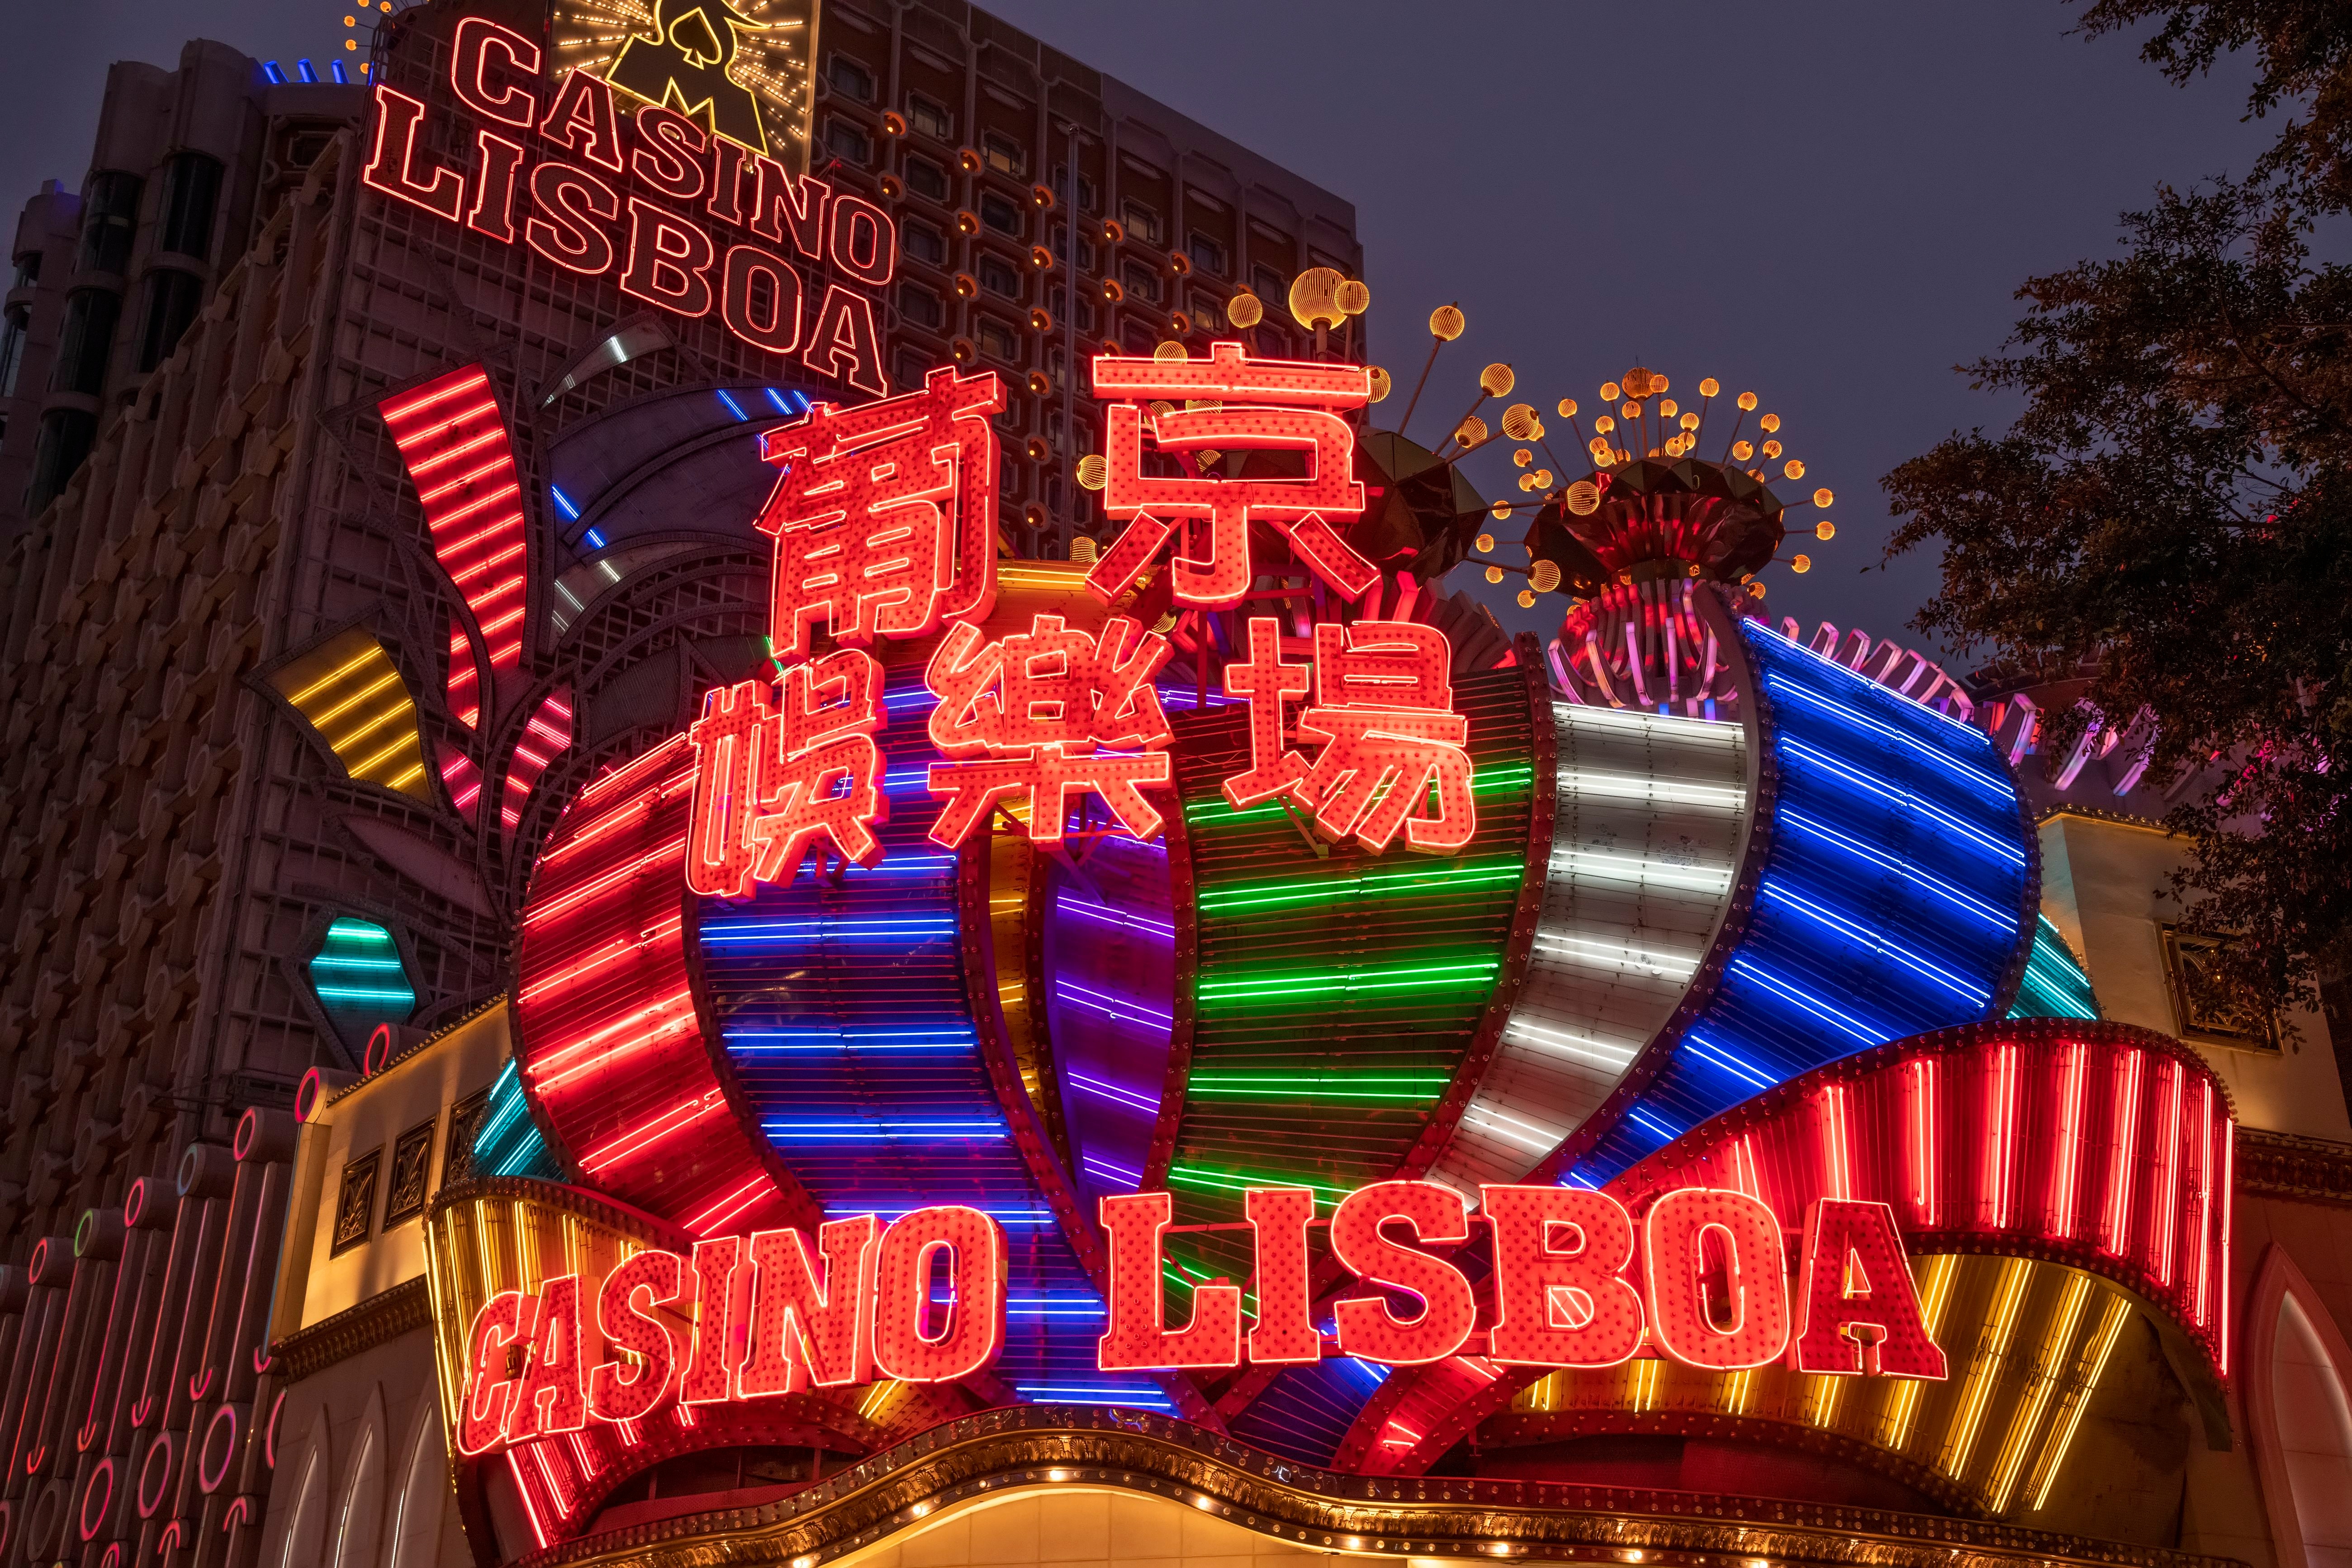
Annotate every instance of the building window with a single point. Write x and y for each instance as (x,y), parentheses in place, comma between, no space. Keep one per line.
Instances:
(1207,254)
(999,276)
(64,441)
(910,366)
(846,139)
(28,270)
(1086,313)
(1141,222)
(411,1168)
(921,306)
(355,1201)
(923,242)
(1141,281)
(1086,202)
(850,78)
(929,119)
(2202,1002)
(110,216)
(191,194)
(87,340)
(1004,156)
(1208,310)
(926,179)
(1268,285)
(999,214)
(998,341)
(172,299)
(13,328)
(1061,240)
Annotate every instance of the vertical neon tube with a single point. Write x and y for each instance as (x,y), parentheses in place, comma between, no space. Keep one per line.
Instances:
(1836,1151)
(2066,1162)
(2000,1134)
(2165,1216)
(2121,1154)
(1922,1129)
(2204,1200)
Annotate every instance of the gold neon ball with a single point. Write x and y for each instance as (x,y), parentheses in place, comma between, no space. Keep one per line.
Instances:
(1568,408)
(1518,420)
(1494,573)
(1824,497)
(1522,457)
(1802,563)
(1748,402)
(1604,460)
(1093,472)
(1825,529)
(1666,409)
(1169,349)
(1446,324)
(1194,402)
(1608,392)
(1771,448)
(1542,478)
(1754,590)
(1743,450)
(1496,380)
(1709,387)
(1156,409)
(1245,310)
(1502,511)
(1584,498)
(1381,384)
(1630,410)
(1354,295)
(1471,431)
(1793,469)
(1769,422)
(1527,598)
(1314,297)
(1688,421)
(1604,425)
(1637,381)
(1526,481)
(1486,545)
(1658,383)
(1543,576)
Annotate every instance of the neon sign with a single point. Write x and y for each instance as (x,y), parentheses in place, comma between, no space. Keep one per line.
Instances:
(923,1300)
(689,221)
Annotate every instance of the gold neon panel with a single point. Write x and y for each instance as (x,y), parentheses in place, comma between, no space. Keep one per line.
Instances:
(354,697)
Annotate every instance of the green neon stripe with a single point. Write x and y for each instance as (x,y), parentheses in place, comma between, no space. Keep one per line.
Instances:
(1466,877)
(1331,1085)
(353,995)
(336,961)
(1323,984)
(1211,811)
(1215,1181)
(352,931)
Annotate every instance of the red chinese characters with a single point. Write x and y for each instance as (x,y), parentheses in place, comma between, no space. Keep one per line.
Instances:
(1031,709)
(770,781)
(1262,406)
(885,514)
(1383,712)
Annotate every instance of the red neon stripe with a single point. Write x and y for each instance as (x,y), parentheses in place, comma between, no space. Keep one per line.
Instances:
(1923,1139)
(2000,1134)
(2204,1199)
(605,883)
(2115,1234)
(436,392)
(646,1134)
(1835,1153)
(2067,1159)
(613,952)
(727,1207)
(2228,1206)
(428,497)
(455,450)
(522,1489)
(2165,1217)
(631,773)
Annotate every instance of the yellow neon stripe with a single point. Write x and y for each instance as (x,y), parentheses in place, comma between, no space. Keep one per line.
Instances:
(349,741)
(1824,1397)
(2048,1361)
(2080,1387)
(406,741)
(413,775)
(320,721)
(1984,1368)
(299,698)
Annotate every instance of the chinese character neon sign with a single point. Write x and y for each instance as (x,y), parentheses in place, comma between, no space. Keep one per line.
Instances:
(1382,714)
(922,1301)
(1033,707)
(1262,406)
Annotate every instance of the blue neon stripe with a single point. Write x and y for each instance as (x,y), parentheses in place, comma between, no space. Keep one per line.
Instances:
(732,406)
(1789,744)
(1997,785)
(1789,815)
(1875,941)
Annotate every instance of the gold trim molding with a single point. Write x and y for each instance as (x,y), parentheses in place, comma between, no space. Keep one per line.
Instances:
(1037,1446)
(379,1319)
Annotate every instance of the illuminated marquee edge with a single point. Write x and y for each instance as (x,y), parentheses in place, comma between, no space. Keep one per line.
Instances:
(1041,1446)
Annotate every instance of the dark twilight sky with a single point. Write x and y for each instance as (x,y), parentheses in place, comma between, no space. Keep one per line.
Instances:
(1830,203)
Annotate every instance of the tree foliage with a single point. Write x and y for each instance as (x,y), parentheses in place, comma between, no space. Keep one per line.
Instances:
(2172,515)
